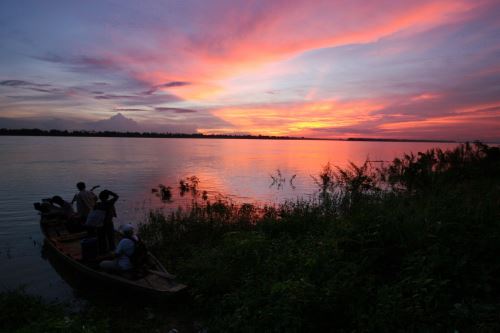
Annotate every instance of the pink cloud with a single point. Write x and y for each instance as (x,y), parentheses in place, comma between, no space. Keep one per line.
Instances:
(226,41)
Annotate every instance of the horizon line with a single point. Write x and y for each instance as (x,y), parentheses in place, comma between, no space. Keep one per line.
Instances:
(137,134)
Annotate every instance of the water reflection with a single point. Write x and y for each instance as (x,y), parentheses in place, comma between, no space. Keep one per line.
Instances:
(39,167)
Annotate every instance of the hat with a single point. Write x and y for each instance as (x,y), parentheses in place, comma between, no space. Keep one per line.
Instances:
(126,229)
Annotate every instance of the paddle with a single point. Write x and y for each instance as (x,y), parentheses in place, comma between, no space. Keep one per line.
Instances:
(165,275)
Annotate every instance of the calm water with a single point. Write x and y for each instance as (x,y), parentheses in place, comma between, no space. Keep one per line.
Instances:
(38,167)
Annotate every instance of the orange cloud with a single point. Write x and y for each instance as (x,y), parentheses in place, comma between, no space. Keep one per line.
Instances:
(481,114)
(296,119)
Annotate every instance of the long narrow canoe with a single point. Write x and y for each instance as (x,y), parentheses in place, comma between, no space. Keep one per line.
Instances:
(154,279)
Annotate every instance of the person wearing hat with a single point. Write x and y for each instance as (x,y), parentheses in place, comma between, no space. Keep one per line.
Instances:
(123,251)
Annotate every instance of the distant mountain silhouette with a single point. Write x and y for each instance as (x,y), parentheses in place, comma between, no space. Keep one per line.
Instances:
(118,123)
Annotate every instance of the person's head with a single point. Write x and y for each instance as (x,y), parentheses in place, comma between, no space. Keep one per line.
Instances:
(80,186)
(104,195)
(127,230)
(57,200)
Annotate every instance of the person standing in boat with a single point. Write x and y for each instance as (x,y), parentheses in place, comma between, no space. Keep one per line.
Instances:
(85,200)
(107,204)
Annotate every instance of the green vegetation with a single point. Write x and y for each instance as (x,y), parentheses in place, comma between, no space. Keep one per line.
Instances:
(412,246)
(22,313)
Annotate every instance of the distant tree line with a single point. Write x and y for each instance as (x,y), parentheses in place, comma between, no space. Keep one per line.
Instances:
(398,140)
(83,133)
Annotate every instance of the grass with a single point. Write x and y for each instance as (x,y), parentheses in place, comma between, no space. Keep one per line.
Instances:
(411,246)
(20,312)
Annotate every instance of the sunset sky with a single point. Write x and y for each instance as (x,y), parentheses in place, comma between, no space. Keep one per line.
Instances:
(330,69)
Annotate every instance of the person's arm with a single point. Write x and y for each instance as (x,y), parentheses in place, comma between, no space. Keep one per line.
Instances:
(93,188)
(119,249)
(114,197)
(74,199)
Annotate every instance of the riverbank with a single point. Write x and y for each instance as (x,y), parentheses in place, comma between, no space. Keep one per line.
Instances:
(411,246)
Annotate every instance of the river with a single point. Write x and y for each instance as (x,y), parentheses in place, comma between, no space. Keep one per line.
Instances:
(236,169)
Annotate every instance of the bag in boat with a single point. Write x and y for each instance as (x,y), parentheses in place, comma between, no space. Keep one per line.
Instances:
(95,219)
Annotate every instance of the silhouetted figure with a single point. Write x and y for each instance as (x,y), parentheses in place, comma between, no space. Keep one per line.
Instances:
(85,200)
(106,236)
(60,207)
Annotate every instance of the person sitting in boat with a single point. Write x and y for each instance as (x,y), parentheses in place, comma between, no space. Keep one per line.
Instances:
(107,236)
(123,253)
(85,200)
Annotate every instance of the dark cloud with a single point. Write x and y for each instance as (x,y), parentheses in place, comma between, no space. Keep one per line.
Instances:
(171,84)
(113,96)
(129,110)
(174,110)
(22,83)
(174,84)
(132,90)
(15,83)
(79,63)
(40,98)
(28,85)
(139,99)
(49,91)
(50,57)
(98,63)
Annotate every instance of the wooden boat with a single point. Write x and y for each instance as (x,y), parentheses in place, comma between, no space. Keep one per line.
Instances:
(153,279)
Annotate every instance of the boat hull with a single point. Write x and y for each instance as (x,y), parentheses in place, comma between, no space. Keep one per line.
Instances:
(67,250)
